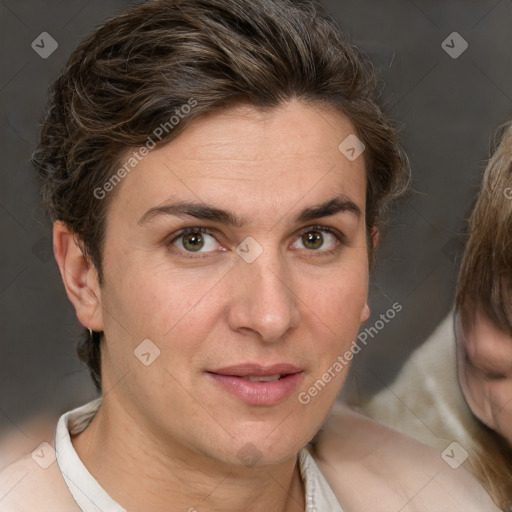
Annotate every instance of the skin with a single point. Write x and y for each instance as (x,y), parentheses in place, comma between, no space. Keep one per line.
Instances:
(484,355)
(167,437)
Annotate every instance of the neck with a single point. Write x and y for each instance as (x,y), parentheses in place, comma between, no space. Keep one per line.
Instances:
(141,473)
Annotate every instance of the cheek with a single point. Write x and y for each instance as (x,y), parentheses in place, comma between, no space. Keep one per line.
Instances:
(490,400)
(334,322)
(342,298)
(153,300)
(500,397)
(473,389)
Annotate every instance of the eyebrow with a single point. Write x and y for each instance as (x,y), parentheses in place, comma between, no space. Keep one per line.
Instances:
(340,203)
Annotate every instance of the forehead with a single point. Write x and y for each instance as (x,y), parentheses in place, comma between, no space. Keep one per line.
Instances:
(251,159)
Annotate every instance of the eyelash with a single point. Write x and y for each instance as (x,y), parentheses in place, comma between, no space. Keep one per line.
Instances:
(336,233)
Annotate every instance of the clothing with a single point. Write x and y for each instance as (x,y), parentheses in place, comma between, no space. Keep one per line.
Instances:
(425,400)
(67,486)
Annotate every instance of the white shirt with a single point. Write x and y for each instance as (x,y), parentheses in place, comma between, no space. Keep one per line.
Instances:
(67,485)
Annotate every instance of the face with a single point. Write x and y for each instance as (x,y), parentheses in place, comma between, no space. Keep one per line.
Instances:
(485,371)
(239,250)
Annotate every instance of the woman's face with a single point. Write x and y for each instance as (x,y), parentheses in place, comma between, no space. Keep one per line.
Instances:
(269,279)
(485,371)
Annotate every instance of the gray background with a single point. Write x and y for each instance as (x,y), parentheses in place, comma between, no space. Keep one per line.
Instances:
(448,109)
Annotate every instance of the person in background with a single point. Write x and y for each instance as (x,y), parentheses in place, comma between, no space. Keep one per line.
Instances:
(483,320)
(473,343)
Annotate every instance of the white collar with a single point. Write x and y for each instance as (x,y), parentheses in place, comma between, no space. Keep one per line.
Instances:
(91,497)
(86,491)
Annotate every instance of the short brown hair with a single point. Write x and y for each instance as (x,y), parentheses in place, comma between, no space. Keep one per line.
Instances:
(485,277)
(137,70)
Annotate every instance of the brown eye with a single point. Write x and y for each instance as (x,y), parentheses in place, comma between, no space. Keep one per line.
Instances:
(312,239)
(196,240)
(322,240)
(193,241)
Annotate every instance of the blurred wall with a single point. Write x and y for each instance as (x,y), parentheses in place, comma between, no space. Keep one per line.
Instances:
(447,99)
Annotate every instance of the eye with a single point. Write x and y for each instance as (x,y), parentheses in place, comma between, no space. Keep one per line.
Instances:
(485,372)
(195,240)
(316,238)
(495,375)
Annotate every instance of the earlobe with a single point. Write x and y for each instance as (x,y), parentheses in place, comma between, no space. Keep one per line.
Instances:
(365,313)
(79,276)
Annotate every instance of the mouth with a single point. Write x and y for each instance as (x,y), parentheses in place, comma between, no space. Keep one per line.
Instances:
(257,370)
(258,385)
(268,378)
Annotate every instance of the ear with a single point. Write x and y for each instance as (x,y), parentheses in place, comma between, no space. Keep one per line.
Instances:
(375,236)
(79,276)
(365,313)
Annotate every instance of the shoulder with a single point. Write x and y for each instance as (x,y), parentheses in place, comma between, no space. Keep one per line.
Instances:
(30,484)
(370,465)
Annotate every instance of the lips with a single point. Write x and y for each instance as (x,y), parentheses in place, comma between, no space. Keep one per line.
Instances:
(259,385)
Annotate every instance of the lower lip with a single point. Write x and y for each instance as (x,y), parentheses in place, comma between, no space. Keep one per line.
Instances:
(259,393)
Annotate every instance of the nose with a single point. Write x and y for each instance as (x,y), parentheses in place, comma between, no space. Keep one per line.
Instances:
(263,299)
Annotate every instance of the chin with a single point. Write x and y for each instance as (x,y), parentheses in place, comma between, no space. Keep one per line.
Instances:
(261,451)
